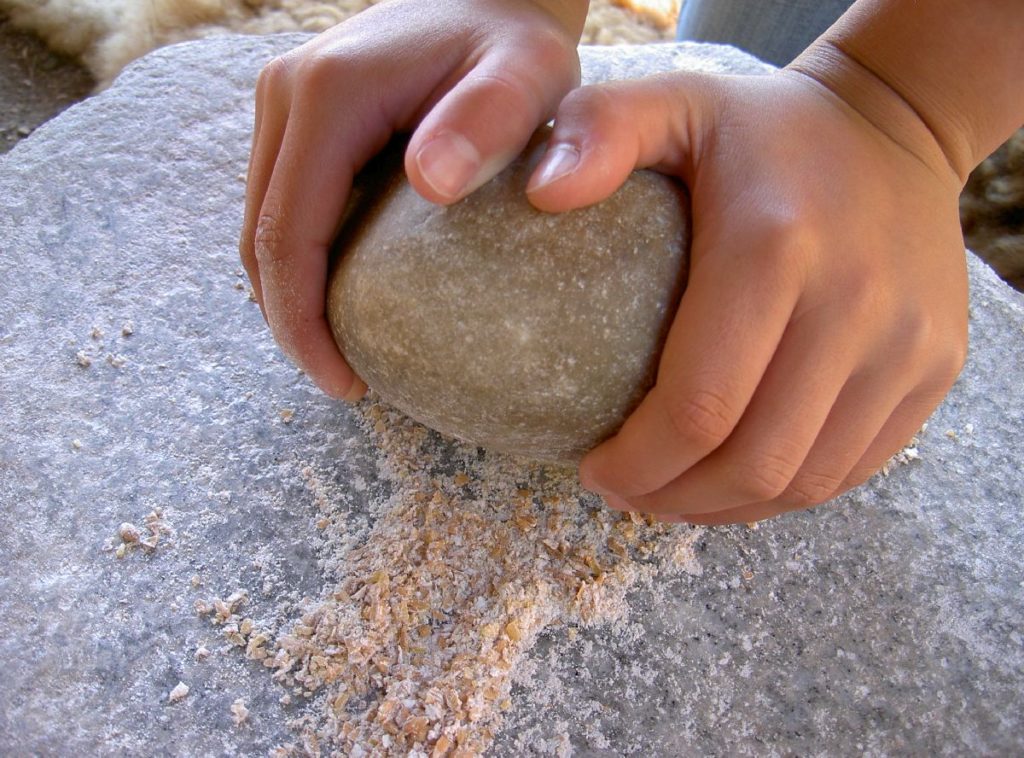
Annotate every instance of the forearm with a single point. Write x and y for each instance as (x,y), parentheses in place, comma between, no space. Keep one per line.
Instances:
(953,66)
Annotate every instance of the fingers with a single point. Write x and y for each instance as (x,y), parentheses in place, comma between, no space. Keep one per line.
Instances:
(602,132)
(306,152)
(292,271)
(765,453)
(772,393)
(809,487)
(300,175)
(315,129)
(487,118)
(878,414)
(905,422)
(306,190)
(271,118)
(866,403)
(716,493)
(873,418)
(729,324)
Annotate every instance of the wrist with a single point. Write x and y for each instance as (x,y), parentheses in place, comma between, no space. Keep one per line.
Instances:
(856,86)
(954,65)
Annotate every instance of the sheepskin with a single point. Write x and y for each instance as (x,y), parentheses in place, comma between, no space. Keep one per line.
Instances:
(106,35)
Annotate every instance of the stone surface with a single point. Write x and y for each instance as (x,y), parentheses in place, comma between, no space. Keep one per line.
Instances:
(889,622)
(526,332)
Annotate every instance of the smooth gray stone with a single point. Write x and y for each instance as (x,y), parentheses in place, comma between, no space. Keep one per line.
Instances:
(889,622)
(531,333)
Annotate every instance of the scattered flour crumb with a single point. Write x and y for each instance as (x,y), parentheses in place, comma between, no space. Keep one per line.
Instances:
(438,604)
(132,537)
(239,712)
(180,692)
(909,453)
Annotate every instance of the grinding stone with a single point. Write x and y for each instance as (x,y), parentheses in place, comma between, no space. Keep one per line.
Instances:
(886,623)
(521,331)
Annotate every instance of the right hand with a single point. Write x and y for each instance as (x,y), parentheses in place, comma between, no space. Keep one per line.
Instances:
(473,78)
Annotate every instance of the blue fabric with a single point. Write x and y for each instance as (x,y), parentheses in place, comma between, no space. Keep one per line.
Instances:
(775,31)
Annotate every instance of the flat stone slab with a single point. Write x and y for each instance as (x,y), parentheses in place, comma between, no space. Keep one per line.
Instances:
(137,378)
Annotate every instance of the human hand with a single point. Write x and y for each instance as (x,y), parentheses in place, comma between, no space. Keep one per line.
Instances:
(826,310)
(474,78)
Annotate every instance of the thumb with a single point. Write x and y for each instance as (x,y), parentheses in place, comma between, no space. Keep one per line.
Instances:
(488,117)
(604,131)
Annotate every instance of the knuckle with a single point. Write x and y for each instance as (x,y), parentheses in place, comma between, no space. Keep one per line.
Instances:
(267,240)
(812,487)
(549,51)
(529,85)
(703,419)
(954,357)
(511,90)
(765,476)
(784,233)
(502,101)
(917,332)
(274,75)
(858,475)
(592,104)
(318,71)
(862,296)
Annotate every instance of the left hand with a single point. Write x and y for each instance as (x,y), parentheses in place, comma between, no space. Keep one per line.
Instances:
(826,311)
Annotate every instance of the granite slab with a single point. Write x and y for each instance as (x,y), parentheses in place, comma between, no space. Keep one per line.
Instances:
(137,378)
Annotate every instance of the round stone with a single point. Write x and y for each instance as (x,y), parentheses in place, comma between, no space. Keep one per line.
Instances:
(521,331)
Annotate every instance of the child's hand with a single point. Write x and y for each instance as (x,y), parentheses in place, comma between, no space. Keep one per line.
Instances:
(478,77)
(826,311)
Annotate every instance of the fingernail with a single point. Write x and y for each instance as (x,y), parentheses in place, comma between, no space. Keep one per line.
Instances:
(559,160)
(617,503)
(355,392)
(587,482)
(672,518)
(448,163)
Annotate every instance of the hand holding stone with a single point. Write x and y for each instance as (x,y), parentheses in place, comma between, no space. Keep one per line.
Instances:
(472,79)
(825,314)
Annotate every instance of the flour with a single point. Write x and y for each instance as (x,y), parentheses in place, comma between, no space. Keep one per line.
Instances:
(424,641)
(442,590)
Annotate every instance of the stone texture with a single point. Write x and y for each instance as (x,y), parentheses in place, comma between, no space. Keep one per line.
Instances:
(889,622)
(526,332)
